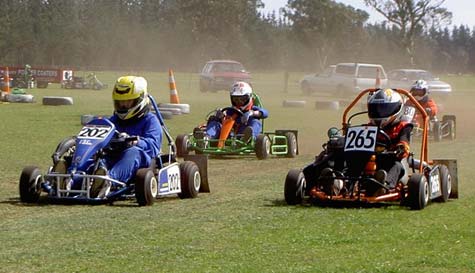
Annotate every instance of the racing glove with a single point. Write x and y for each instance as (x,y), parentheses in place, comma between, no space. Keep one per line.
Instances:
(428,111)
(402,150)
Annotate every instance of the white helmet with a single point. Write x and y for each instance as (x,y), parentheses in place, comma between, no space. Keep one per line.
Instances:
(420,90)
(241,93)
(385,107)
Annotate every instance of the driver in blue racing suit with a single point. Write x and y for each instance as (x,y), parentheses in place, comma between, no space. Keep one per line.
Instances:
(249,124)
(132,117)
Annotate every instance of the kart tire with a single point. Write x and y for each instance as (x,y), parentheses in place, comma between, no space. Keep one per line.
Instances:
(262,146)
(291,144)
(30,184)
(190,179)
(20,98)
(437,131)
(327,105)
(294,187)
(418,192)
(181,145)
(445,183)
(54,100)
(450,129)
(166,114)
(294,103)
(146,187)
(185,108)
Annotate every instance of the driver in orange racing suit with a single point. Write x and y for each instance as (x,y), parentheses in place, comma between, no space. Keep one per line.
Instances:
(385,109)
(420,91)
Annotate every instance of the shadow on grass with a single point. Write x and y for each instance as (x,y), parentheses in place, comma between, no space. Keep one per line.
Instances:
(332,204)
(45,201)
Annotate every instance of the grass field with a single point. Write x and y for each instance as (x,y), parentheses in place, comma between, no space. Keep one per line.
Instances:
(243,225)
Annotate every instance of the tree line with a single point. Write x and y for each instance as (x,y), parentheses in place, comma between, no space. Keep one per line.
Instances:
(305,35)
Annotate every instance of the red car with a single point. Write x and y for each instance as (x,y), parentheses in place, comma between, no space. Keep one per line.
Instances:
(221,75)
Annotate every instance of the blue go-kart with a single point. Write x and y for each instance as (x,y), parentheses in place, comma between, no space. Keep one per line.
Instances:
(77,173)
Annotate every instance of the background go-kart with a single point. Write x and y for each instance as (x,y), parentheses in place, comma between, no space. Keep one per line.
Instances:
(244,224)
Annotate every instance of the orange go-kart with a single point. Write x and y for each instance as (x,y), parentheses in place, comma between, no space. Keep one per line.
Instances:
(346,169)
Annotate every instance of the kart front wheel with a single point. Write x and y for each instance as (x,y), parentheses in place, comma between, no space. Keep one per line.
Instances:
(30,184)
(262,146)
(291,144)
(418,190)
(445,183)
(146,187)
(294,187)
(190,179)
(181,145)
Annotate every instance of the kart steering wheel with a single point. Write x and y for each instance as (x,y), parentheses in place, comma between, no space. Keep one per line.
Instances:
(232,109)
(386,142)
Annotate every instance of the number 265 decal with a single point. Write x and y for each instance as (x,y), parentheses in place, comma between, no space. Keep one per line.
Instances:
(361,138)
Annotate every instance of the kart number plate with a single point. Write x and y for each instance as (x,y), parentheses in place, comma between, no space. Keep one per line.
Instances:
(409,113)
(94,132)
(435,182)
(361,138)
(170,180)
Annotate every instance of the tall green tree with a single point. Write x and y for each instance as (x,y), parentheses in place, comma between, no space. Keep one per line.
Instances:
(412,17)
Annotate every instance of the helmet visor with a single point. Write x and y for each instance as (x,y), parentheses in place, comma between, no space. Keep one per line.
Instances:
(383,110)
(239,101)
(122,106)
(418,92)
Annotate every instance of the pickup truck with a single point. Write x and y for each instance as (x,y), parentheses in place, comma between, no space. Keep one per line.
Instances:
(344,79)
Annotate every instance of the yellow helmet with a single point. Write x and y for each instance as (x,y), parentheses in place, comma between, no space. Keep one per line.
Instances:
(130,97)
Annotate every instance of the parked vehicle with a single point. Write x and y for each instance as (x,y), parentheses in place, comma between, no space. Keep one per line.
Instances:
(344,79)
(222,74)
(404,78)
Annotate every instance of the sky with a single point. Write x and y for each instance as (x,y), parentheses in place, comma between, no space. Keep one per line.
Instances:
(462,10)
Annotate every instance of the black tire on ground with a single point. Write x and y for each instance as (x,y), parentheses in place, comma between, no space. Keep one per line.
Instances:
(445,183)
(146,187)
(181,145)
(30,184)
(418,191)
(294,103)
(190,179)
(291,144)
(53,100)
(436,131)
(451,130)
(262,146)
(294,187)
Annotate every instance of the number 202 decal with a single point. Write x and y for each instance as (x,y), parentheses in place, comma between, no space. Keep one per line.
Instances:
(94,132)
(361,138)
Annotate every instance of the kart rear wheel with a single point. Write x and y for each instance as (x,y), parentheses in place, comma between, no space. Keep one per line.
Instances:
(418,190)
(262,146)
(181,145)
(450,129)
(291,144)
(30,184)
(146,187)
(445,183)
(294,187)
(437,132)
(190,179)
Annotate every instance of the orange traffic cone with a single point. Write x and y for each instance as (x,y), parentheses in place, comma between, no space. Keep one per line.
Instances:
(173,92)
(6,81)
(378,78)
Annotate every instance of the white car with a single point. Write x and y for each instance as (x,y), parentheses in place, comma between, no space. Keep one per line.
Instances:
(405,78)
(344,79)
